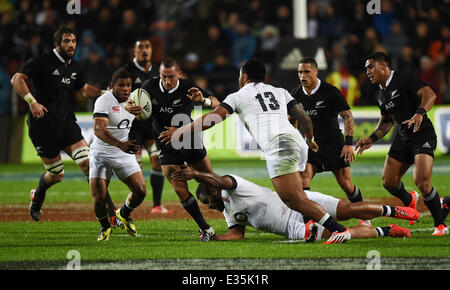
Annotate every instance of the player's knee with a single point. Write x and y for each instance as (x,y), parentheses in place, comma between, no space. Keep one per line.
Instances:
(55,171)
(81,158)
(390,183)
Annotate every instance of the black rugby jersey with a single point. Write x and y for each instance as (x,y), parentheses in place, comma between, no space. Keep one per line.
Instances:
(138,74)
(400,100)
(323,107)
(170,108)
(54,85)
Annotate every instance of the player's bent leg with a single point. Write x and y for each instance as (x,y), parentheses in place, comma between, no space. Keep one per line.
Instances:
(369,210)
(79,152)
(393,172)
(54,173)
(98,187)
(188,201)
(423,167)
(289,191)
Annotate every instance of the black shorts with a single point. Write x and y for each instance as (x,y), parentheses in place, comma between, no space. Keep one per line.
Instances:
(49,139)
(328,157)
(404,151)
(141,131)
(178,157)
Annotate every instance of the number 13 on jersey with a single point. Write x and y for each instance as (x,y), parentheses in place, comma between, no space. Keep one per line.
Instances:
(273,104)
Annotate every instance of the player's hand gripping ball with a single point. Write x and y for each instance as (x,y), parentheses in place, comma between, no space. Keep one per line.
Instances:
(141,98)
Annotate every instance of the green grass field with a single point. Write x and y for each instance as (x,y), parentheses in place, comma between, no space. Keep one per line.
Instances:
(173,244)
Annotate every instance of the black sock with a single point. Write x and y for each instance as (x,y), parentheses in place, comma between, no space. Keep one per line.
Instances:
(104,222)
(126,210)
(41,190)
(355,196)
(191,206)
(433,202)
(388,210)
(383,231)
(331,224)
(402,194)
(157,183)
(446,201)
(110,203)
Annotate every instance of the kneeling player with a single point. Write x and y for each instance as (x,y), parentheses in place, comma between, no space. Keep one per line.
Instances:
(112,152)
(244,203)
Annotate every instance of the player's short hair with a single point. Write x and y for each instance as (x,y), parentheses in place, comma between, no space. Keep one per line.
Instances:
(142,38)
(63,29)
(169,62)
(121,73)
(380,57)
(255,69)
(309,60)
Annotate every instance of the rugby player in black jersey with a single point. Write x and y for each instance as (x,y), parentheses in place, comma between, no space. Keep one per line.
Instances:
(323,102)
(405,100)
(173,99)
(141,70)
(48,84)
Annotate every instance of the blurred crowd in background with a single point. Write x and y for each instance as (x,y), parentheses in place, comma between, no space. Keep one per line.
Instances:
(210,39)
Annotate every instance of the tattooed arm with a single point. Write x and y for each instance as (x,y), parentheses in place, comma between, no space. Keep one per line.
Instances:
(383,127)
(305,124)
(347,150)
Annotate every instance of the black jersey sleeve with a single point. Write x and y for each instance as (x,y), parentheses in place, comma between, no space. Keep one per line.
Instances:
(338,100)
(80,81)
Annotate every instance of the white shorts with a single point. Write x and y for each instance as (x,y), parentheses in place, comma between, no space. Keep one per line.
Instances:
(104,163)
(296,224)
(286,154)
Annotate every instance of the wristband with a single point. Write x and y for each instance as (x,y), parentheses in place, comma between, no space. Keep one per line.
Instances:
(421,111)
(29,99)
(348,140)
(373,137)
(207,102)
(309,141)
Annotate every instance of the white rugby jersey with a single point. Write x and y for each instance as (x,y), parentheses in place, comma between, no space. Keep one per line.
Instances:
(119,119)
(263,109)
(252,205)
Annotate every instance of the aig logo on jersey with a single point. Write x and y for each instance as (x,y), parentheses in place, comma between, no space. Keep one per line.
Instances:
(166,110)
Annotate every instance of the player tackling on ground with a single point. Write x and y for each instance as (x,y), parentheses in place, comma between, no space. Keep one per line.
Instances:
(244,203)
(264,110)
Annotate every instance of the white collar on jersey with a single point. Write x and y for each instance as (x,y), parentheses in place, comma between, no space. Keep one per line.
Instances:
(59,56)
(172,90)
(141,68)
(388,80)
(314,90)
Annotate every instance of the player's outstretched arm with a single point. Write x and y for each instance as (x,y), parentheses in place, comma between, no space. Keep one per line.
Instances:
(237,232)
(383,127)
(200,124)
(210,178)
(89,91)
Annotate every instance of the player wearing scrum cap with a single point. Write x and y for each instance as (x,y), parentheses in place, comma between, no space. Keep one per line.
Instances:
(48,83)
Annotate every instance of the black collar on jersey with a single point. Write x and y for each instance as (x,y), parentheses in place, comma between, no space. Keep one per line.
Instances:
(141,68)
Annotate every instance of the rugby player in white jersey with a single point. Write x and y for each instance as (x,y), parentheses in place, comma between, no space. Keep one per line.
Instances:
(264,111)
(245,203)
(112,152)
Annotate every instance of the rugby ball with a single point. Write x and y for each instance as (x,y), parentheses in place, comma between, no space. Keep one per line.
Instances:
(142,98)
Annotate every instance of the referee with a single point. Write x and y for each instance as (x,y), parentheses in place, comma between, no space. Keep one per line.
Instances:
(142,69)
(323,102)
(406,100)
(54,78)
